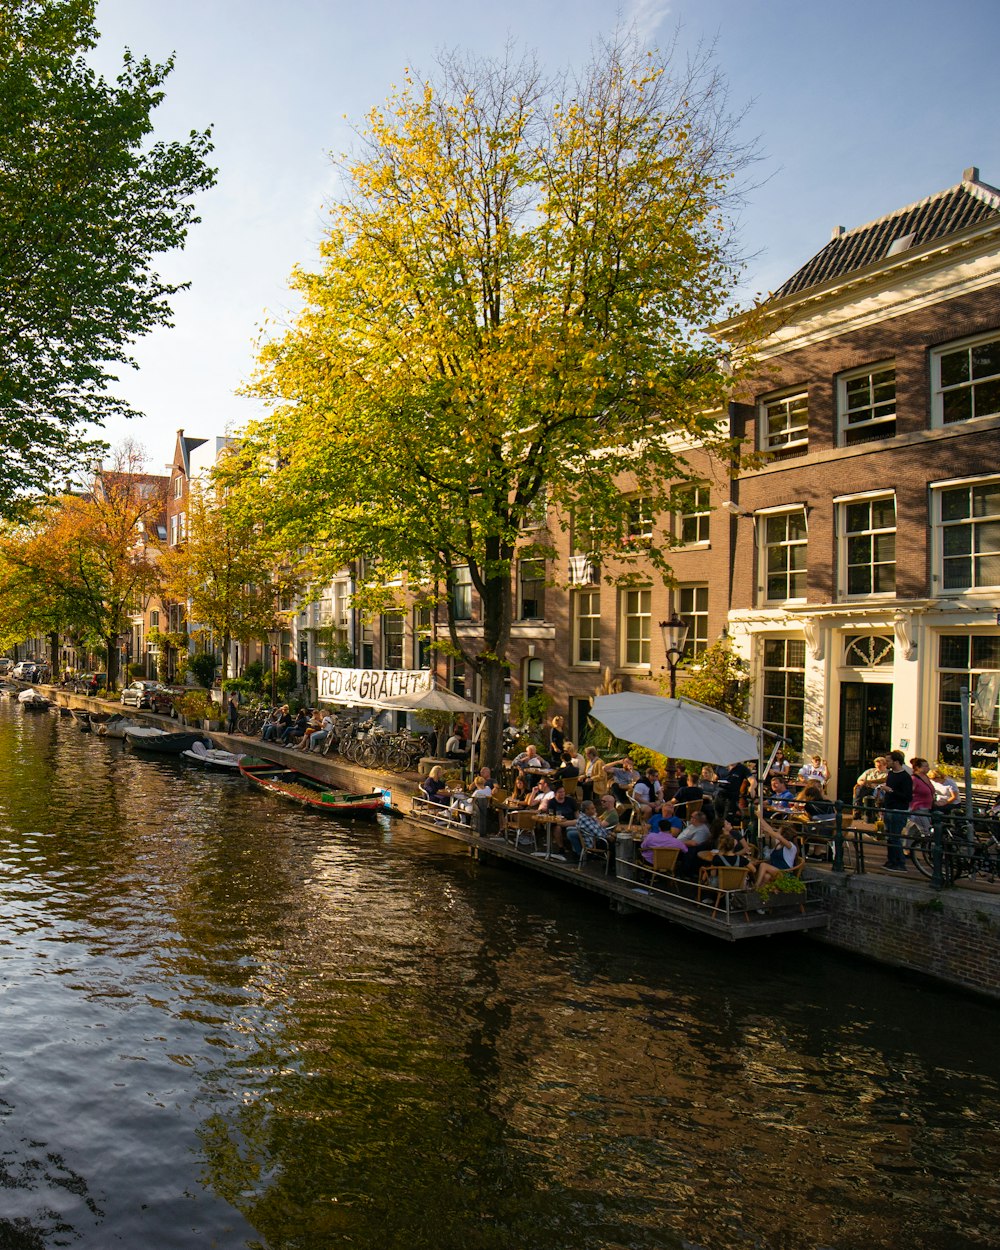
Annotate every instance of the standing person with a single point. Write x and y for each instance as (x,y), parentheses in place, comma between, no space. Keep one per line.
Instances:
(234,711)
(924,795)
(898,796)
(729,790)
(557,741)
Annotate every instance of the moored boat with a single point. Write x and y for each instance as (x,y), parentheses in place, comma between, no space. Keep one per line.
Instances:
(116,726)
(312,792)
(213,757)
(160,741)
(33,701)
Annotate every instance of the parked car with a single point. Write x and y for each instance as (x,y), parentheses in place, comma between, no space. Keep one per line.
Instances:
(25,670)
(149,694)
(6,664)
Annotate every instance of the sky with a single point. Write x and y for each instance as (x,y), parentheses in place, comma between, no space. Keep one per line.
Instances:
(856,109)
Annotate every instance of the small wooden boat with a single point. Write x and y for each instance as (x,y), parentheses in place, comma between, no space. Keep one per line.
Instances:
(160,741)
(312,792)
(116,726)
(212,757)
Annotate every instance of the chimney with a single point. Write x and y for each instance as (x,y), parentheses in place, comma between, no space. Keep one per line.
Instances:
(971,174)
(836,232)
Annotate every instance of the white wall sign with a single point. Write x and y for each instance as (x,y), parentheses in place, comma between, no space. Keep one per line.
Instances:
(368,686)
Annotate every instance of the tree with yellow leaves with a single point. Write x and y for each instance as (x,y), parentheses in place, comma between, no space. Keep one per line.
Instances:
(512,311)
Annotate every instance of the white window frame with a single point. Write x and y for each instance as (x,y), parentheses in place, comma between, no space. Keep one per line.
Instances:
(941,526)
(793,728)
(643,616)
(699,495)
(873,427)
(695,616)
(593,597)
(842,503)
(793,437)
(461,581)
(761,521)
(938,392)
(639,519)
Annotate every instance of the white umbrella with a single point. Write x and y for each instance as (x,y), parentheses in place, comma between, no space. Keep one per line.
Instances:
(433,700)
(678,728)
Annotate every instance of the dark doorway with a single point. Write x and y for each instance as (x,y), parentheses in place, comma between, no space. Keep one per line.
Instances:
(865,730)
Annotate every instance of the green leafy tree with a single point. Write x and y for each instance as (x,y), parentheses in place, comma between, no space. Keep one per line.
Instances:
(719,679)
(86,205)
(511,316)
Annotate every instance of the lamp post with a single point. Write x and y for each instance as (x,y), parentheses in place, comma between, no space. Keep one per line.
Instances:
(274,641)
(674,634)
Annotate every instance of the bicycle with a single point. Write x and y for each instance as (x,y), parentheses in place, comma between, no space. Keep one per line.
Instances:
(251,720)
(961,855)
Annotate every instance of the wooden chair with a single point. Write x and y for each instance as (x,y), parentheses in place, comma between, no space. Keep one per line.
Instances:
(569,784)
(727,879)
(664,864)
(521,826)
(498,796)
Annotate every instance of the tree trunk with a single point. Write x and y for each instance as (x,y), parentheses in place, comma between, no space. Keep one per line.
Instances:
(54,655)
(113,655)
(226,643)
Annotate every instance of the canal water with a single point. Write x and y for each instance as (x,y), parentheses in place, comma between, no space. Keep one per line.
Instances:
(228,1023)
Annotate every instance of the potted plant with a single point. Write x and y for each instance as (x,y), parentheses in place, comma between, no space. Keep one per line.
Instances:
(786,888)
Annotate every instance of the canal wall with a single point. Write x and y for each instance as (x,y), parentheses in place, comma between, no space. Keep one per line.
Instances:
(951,935)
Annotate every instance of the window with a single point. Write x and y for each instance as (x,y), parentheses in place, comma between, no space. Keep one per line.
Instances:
(962,660)
(422,634)
(636,606)
(461,593)
(784,555)
(531,589)
(691,506)
(586,606)
(178,485)
(392,640)
(784,688)
(785,423)
(154,619)
(970,535)
(174,530)
(534,678)
(638,517)
(535,514)
(582,541)
(456,676)
(341,594)
(867,405)
(367,647)
(692,605)
(966,381)
(868,546)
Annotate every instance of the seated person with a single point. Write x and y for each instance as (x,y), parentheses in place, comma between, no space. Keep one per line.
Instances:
(780,767)
(563,808)
(814,772)
(622,775)
(663,817)
(276,723)
(588,831)
(648,789)
(579,762)
(813,803)
(780,799)
(726,853)
(434,786)
(530,762)
(946,794)
(870,780)
(609,813)
(319,736)
(520,794)
(660,837)
(455,748)
(689,792)
(695,836)
(313,725)
(783,855)
(480,790)
(542,791)
(566,766)
(296,728)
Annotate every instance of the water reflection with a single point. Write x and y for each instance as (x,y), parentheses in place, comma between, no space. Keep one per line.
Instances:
(230,1023)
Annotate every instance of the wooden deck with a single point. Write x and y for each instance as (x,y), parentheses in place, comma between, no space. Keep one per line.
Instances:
(736,917)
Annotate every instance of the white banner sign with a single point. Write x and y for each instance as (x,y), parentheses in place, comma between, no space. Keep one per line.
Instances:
(368,686)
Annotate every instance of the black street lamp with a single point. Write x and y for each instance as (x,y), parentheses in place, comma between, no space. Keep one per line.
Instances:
(274,641)
(674,633)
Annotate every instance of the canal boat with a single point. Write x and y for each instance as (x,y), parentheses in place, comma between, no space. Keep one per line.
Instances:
(213,757)
(115,726)
(33,701)
(160,741)
(312,792)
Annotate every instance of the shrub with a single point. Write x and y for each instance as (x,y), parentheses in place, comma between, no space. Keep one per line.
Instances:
(196,706)
(203,667)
